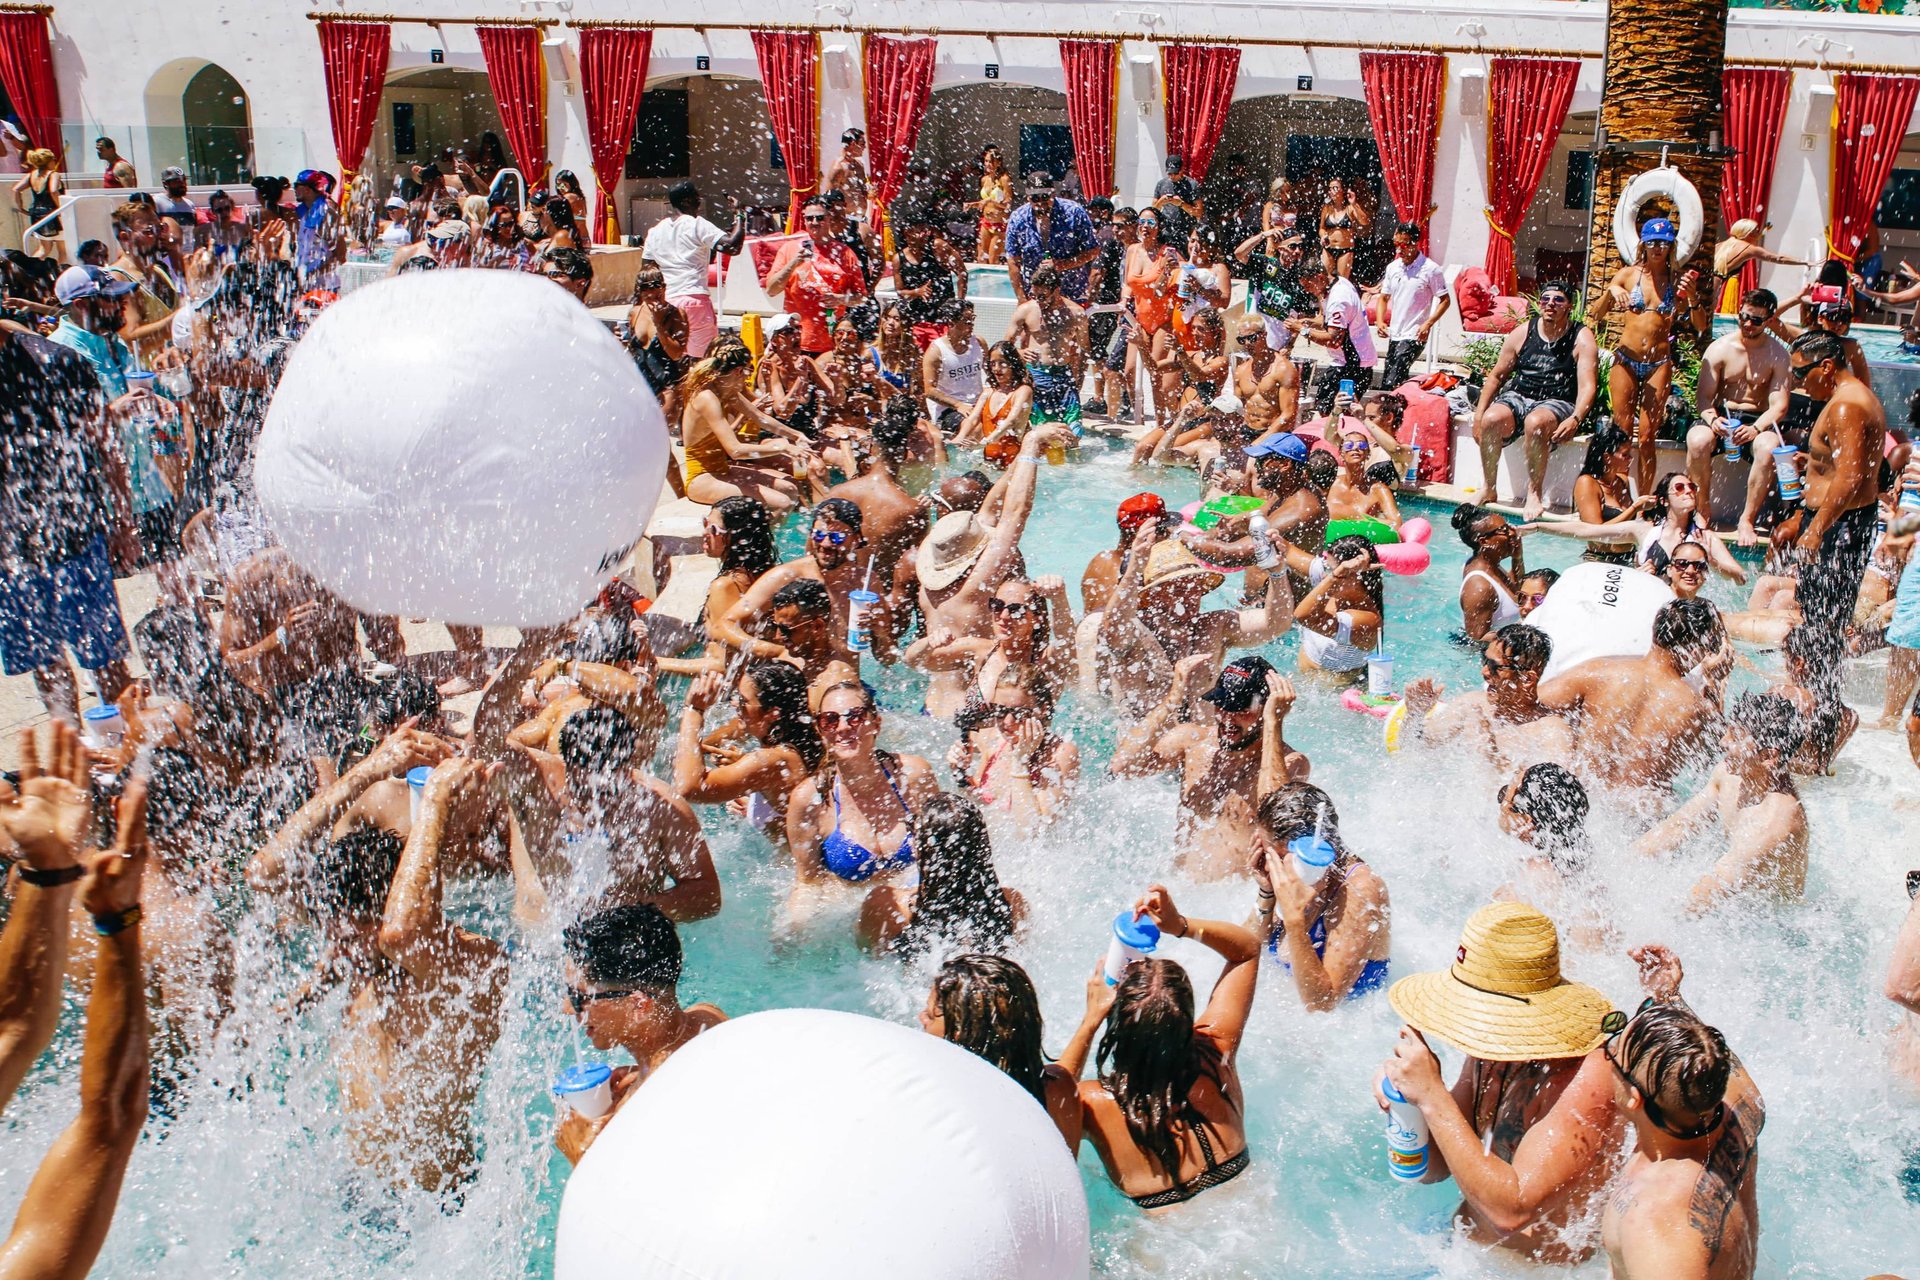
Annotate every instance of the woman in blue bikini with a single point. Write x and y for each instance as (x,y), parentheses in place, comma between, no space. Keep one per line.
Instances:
(1334,934)
(852,822)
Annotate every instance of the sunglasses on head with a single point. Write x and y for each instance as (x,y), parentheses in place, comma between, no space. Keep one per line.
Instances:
(1011,608)
(832,537)
(836,719)
(578,998)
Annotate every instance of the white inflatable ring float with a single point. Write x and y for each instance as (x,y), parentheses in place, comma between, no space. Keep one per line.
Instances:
(1671,185)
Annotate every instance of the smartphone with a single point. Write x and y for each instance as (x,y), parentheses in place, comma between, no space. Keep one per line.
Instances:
(1824,293)
(1913,884)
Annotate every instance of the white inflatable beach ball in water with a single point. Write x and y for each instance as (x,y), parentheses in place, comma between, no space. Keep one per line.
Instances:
(468,446)
(1599,611)
(804,1143)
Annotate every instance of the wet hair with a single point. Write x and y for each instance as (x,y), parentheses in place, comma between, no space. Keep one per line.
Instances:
(1547,576)
(404,694)
(894,431)
(1354,544)
(177,788)
(1383,473)
(1819,346)
(1015,361)
(351,876)
(596,741)
(1677,1060)
(749,535)
(1773,722)
(1833,272)
(1688,629)
(1149,1057)
(989,1007)
(1765,299)
(1465,518)
(574,264)
(683,196)
(1557,803)
(959,902)
(779,686)
(1295,809)
(629,946)
(1322,468)
(1606,441)
(839,510)
(609,637)
(1043,278)
(1526,646)
(808,595)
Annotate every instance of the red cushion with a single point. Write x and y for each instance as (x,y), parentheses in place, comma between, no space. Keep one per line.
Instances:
(1474,288)
(1428,425)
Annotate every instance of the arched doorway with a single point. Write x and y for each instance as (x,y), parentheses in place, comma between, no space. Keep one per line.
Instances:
(1026,122)
(1308,139)
(715,131)
(197,118)
(427,109)
(1551,243)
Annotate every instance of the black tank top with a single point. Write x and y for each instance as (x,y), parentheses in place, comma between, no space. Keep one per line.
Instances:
(1545,370)
(913,275)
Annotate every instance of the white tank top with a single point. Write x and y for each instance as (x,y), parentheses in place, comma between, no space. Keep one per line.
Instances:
(1506,609)
(961,373)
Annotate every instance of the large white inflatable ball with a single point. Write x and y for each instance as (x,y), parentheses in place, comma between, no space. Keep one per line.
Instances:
(1599,611)
(469,446)
(811,1144)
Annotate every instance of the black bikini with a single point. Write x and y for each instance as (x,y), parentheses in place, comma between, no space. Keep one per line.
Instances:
(1216,1172)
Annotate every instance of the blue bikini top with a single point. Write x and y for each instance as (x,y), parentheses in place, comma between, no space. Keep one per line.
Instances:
(854,862)
(1637,300)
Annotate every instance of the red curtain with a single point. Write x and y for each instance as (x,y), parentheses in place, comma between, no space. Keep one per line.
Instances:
(1093,88)
(790,79)
(1755,102)
(1403,103)
(1527,103)
(1871,120)
(26,72)
(613,76)
(1199,89)
(519,85)
(354,56)
(898,82)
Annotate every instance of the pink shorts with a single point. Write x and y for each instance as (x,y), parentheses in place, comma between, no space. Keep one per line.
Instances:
(702,327)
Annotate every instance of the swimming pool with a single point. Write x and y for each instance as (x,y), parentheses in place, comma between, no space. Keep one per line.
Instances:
(251,1179)
(1896,370)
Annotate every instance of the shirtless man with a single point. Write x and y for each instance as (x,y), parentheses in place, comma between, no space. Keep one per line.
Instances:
(623,985)
(1742,395)
(1506,723)
(1267,378)
(849,174)
(1752,795)
(294,642)
(837,555)
(1295,512)
(1529,1132)
(1841,497)
(1636,721)
(892,521)
(1224,770)
(427,1005)
(1685,1207)
(965,559)
(1156,620)
(1103,571)
(1050,331)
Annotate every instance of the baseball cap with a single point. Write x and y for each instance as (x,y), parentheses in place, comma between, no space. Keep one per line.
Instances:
(1658,229)
(779,323)
(395,202)
(172,172)
(1226,402)
(1040,184)
(76,283)
(1139,509)
(1242,685)
(449,229)
(1281,444)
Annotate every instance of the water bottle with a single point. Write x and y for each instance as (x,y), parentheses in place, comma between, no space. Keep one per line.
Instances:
(1786,472)
(417,789)
(1265,554)
(1310,856)
(1134,938)
(859,628)
(1910,498)
(1406,1136)
(1380,674)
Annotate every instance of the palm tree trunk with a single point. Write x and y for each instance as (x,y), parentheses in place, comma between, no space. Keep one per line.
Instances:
(1663,69)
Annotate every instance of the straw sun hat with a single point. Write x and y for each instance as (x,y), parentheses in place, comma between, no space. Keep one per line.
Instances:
(1171,561)
(956,541)
(1503,999)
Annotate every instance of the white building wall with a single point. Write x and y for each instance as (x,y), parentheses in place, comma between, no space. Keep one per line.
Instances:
(108,51)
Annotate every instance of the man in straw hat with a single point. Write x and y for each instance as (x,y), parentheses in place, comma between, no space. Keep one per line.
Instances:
(1685,1207)
(1157,619)
(1529,1132)
(965,558)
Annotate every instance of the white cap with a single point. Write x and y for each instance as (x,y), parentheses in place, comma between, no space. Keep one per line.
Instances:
(781,320)
(1227,402)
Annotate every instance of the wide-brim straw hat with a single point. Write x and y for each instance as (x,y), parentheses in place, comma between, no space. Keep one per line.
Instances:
(1171,561)
(1503,999)
(950,549)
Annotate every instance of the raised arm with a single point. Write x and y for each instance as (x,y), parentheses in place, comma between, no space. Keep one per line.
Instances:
(1697,814)
(1255,627)
(1225,1017)
(1158,744)
(1273,750)
(69,1205)
(1005,541)
(415,932)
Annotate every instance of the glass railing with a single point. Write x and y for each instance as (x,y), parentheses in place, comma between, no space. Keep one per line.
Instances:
(211,154)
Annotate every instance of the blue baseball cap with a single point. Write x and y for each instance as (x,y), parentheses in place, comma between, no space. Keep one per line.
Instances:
(1658,229)
(1281,444)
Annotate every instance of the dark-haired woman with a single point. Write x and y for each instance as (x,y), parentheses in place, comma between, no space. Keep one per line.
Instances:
(1167,1113)
(773,708)
(987,1006)
(567,187)
(1601,494)
(1669,516)
(959,903)
(657,336)
(1332,935)
(1343,617)
(1031,646)
(557,225)
(738,533)
(1490,580)
(999,417)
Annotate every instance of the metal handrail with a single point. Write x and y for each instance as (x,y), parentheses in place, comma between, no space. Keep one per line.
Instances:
(30,237)
(520,185)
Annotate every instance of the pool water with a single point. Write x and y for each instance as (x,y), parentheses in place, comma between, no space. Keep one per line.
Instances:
(252,1178)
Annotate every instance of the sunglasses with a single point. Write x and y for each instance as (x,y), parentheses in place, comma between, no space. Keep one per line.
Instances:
(831,720)
(1799,372)
(814,217)
(1681,486)
(1011,608)
(1536,598)
(1554,300)
(579,998)
(832,537)
(1688,566)
(1750,319)
(1356,446)
(1016,714)
(1614,1024)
